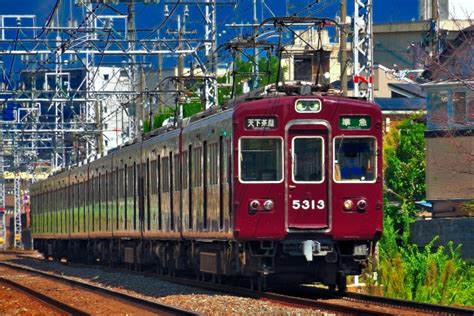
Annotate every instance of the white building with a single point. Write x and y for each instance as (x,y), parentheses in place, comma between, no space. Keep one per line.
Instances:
(111,85)
(448,9)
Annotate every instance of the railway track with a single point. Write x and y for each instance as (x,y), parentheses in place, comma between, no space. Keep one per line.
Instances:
(49,301)
(316,298)
(405,307)
(138,302)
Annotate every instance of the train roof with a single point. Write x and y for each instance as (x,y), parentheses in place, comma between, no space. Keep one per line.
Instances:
(297,90)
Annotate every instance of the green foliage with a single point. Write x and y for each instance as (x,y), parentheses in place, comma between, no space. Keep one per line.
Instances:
(268,69)
(146,126)
(432,274)
(405,160)
(193,107)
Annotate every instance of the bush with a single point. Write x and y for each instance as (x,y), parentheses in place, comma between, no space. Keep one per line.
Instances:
(430,274)
(437,276)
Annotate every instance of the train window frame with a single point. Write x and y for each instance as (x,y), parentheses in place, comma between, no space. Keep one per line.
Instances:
(323,160)
(282,151)
(334,159)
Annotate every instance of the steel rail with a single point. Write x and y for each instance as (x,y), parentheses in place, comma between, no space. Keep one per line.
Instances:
(52,303)
(274,297)
(382,301)
(305,296)
(410,305)
(244,292)
(152,306)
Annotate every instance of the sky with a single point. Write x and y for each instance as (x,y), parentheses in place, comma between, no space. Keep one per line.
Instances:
(150,16)
(384,10)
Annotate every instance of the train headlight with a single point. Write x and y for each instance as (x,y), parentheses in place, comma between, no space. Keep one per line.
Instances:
(348,205)
(254,205)
(306,105)
(362,204)
(268,205)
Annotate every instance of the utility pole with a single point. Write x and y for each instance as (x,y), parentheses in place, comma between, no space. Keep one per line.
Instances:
(179,83)
(3,227)
(160,78)
(18,199)
(181,33)
(434,28)
(342,46)
(256,78)
(135,127)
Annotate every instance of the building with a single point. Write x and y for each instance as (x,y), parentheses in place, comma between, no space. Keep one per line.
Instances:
(107,93)
(450,149)
(448,9)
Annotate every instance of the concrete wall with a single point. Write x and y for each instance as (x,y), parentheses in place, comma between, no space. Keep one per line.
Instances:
(450,168)
(398,43)
(458,230)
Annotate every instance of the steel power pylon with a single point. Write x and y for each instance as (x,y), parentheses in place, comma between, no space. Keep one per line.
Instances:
(47,53)
(363,50)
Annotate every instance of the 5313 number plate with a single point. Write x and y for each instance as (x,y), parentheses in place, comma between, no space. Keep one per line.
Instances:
(308,204)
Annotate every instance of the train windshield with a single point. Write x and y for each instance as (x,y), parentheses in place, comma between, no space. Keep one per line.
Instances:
(307,159)
(261,160)
(355,159)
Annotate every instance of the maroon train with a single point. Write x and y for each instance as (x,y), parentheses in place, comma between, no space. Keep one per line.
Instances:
(281,187)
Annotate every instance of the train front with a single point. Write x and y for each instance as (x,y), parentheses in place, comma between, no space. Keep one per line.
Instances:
(308,187)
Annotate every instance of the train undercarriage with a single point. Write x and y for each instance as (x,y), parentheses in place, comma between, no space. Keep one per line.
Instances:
(262,262)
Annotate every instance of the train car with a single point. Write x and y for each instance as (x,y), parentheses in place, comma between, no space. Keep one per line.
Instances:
(279,187)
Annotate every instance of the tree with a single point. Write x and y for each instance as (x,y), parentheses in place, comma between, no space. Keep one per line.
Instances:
(268,69)
(405,160)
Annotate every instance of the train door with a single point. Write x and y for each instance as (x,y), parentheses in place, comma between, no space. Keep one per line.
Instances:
(307,177)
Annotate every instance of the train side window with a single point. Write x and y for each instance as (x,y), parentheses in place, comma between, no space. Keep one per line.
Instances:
(260,159)
(171,179)
(205,173)
(177,173)
(111,196)
(158,177)
(213,164)
(190,186)
(197,167)
(147,193)
(125,195)
(228,154)
(221,181)
(74,206)
(165,179)
(153,178)
(121,196)
(134,193)
(355,159)
(185,171)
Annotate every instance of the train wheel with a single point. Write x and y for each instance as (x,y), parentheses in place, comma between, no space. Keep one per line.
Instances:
(262,283)
(341,282)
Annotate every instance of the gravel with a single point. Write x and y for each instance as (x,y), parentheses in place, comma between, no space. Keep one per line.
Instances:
(185,297)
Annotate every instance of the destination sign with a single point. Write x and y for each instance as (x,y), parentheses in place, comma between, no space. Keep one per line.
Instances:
(261,122)
(354,122)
